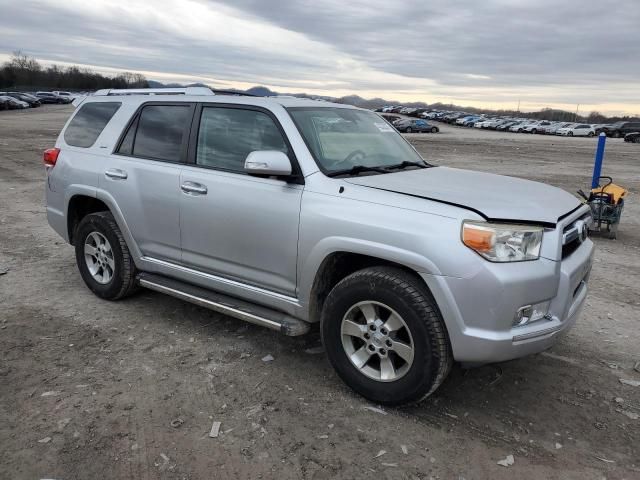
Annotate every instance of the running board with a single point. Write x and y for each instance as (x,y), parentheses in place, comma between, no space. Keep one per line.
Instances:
(225,304)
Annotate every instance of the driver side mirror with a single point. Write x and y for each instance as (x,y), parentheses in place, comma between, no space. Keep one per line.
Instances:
(268,162)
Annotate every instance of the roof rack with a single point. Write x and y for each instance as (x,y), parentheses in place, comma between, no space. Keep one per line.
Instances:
(233,92)
(156,91)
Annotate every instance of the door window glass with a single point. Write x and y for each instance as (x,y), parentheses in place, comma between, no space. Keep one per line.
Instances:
(158,133)
(228,135)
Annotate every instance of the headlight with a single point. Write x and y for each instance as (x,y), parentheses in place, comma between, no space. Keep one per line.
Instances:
(501,242)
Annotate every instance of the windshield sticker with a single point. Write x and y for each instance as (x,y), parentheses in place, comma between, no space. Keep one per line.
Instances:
(384,127)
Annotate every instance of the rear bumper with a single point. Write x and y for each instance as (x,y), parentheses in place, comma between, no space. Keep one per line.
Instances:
(479,311)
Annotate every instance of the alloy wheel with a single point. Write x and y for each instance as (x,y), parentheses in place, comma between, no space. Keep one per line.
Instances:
(377,341)
(98,256)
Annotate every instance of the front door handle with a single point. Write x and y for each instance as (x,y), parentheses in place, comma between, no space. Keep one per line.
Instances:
(194,188)
(116,174)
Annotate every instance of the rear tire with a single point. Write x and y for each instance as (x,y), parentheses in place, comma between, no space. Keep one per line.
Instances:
(103,258)
(390,374)
(434,130)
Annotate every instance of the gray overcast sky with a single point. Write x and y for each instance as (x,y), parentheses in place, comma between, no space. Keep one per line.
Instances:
(483,53)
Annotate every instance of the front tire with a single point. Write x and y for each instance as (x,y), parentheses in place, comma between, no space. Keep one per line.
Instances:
(385,337)
(434,130)
(408,130)
(103,258)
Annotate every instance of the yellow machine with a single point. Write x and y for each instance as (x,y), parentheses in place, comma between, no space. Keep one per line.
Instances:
(606,204)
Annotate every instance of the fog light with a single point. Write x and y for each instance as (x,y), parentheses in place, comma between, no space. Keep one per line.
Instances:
(530,313)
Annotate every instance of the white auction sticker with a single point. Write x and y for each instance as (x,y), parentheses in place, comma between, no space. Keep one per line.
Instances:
(384,127)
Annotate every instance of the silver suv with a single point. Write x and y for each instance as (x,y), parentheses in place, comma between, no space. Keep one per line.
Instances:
(285,212)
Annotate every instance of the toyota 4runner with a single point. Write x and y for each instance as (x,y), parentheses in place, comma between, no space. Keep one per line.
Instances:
(285,212)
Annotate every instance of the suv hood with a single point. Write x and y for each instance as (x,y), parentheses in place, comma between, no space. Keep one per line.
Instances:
(495,197)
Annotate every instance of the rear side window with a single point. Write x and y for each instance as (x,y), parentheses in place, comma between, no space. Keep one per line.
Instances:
(88,123)
(157,133)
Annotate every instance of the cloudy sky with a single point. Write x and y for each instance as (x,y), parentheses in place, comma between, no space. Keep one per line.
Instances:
(493,53)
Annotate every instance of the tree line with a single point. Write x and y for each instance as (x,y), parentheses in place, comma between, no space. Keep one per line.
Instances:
(22,72)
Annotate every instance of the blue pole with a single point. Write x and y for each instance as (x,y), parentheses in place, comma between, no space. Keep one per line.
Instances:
(597,166)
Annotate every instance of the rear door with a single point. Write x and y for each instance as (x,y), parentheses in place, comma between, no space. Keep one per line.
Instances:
(235,225)
(143,176)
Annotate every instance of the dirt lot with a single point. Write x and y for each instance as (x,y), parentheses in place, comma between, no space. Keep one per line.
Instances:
(92,389)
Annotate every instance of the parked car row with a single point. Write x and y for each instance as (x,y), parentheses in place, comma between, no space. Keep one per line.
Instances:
(20,100)
(518,125)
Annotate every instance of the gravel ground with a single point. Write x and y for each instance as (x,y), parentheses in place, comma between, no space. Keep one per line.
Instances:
(93,389)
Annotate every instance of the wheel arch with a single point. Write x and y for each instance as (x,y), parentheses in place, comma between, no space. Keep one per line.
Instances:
(82,203)
(79,206)
(338,264)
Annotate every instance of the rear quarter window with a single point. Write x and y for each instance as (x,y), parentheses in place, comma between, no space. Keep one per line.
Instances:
(88,123)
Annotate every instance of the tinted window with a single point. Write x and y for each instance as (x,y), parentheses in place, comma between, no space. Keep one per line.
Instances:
(159,133)
(126,147)
(228,135)
(89,122)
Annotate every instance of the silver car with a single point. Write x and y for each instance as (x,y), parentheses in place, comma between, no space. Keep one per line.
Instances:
(285,212)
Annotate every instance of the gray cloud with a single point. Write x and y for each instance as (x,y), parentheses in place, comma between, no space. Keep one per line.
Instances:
(490,51)
(538,42)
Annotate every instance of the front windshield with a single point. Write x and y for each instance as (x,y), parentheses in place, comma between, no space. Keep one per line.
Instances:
(342,138)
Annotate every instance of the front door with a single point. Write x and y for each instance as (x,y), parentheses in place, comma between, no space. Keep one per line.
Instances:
(235,225)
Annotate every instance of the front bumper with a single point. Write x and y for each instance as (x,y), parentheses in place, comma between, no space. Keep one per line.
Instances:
(479,311)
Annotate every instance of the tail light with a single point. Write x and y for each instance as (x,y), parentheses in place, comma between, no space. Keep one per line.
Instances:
(50,157)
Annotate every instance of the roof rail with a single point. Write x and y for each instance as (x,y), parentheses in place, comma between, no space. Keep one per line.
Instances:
(233,92)
(155,91)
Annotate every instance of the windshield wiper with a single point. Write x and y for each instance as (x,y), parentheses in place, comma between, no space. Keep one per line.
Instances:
(356,170)
(405,164)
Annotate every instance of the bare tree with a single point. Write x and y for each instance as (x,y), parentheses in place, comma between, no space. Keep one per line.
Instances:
(24,72)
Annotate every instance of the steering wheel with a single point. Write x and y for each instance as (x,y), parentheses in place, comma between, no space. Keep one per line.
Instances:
(350,157)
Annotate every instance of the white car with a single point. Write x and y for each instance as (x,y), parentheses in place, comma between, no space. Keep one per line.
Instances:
(534,127)
(553,128)
(517,127)
(579,130)
(489,123)
(58,93)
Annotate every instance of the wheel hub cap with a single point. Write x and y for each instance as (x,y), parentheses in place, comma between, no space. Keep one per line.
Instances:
(377,341)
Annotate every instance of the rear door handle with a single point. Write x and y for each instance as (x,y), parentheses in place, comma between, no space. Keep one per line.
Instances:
(116,173)
(194,188)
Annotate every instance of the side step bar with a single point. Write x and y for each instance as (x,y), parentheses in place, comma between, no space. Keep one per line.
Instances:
(225,304)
